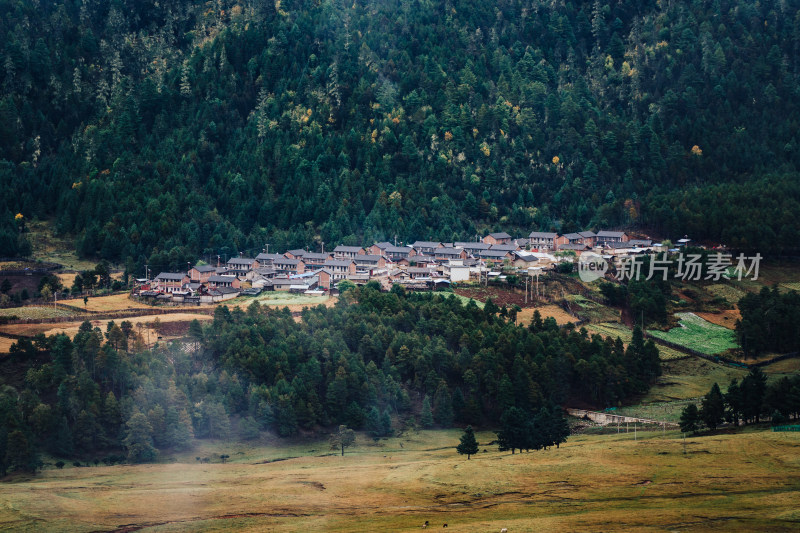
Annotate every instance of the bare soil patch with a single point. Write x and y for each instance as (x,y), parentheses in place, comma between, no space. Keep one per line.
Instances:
(726,318)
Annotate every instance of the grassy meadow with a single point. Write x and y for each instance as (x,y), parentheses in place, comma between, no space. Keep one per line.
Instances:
(730,482)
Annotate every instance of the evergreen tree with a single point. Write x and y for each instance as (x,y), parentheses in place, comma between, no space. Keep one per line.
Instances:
(139,439)
(733,399)
(690,418)
(712,410)
(443,405)
(468,445)
(426,415)
(514,430)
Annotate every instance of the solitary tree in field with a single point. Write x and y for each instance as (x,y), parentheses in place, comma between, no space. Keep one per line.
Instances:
(468,445)
(690,417)
(343,438)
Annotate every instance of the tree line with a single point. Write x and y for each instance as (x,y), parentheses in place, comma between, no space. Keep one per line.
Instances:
(371,362)
(748,401)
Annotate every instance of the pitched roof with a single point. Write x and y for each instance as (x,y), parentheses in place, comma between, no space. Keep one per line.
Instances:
(338,262)
(268,257)
(221,279)
(205,268)
(362,257)
(573,236)
(587,234)
(504,247)
(573,247)
(493,253)
(426,244)
(640,242)
(298,252)
(398,249)
(473,245)
(315,255)
(170,276)
(240,261)
(619,245)
(543,235)
(528,258)
(605,233)
(449,251)
(383,245)
(341,248)
(500,235)
(286,261)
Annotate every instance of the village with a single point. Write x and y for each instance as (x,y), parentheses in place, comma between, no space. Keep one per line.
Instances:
(422,265)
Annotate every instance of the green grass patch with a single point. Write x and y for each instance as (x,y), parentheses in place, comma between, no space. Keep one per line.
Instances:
(465,300)
(698,334)
(615,329)
(37,311)
(283,298)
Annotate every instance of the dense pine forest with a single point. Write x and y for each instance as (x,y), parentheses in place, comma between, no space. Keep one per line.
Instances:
(168,130)
(376,361)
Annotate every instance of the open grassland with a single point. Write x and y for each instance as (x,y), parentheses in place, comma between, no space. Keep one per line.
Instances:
(698,334)
(731,482)
(37,311)
(55,249)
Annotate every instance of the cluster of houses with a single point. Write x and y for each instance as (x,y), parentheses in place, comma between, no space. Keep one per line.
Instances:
(423,264)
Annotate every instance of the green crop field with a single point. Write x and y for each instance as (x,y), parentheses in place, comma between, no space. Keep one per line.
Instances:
(698,334)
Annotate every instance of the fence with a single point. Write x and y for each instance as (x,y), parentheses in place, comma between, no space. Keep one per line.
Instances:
(785,428)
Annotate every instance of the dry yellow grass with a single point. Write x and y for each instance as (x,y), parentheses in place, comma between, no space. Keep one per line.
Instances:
(744,482)
(5,344)
(562,317)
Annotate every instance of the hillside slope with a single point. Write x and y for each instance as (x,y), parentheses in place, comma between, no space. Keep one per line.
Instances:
(164,130)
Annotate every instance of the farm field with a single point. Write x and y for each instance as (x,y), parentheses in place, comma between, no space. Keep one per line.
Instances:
(748,481)
(71,328)
(615,329)
(726,319)
(295,302)
(562,317)
(698,334)
(37,312)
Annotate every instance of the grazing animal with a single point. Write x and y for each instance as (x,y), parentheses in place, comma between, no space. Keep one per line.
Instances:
(504,530)
(425,525)
(444,525)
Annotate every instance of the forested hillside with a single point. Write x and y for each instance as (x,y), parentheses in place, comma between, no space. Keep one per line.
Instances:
(164,130)
(374,358)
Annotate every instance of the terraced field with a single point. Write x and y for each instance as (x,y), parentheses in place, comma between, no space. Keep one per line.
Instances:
(698,334)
